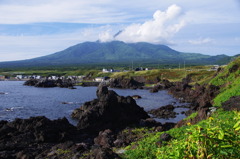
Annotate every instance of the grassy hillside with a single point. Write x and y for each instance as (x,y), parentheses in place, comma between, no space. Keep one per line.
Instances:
(213,138)
(229,80)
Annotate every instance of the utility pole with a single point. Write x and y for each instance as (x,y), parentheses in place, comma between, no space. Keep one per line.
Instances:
(185,70)
(179,66)
(132,65)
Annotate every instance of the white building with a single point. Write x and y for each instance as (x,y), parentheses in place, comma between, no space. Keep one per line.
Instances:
(104,70)
(19,77)
(99,79)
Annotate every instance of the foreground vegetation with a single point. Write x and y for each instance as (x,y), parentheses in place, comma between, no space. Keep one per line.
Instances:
(216,137)
(213,138)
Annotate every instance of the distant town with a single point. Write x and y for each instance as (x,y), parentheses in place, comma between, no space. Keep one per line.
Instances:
(23,77)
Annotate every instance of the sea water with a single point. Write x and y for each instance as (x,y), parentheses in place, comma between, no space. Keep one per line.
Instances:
(19,101)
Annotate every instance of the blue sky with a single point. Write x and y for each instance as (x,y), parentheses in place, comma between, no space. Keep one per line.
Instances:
(36,28)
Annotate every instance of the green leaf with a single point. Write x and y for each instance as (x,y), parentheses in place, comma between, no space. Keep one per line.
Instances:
(221,135)
(225,146)
(237,124)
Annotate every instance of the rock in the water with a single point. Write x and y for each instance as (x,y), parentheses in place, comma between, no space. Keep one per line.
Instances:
(31,82)
(50,83)
(46,83)
(164,84)
(155,89)
(136,97)
(108,111)
(164,112)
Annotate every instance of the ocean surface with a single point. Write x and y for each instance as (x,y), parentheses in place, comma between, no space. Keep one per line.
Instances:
(19,101)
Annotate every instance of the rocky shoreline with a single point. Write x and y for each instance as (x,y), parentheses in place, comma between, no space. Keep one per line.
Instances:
(104,124)
(46,83)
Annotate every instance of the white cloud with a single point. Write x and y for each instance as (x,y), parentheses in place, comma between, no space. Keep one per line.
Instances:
(26,47)
(109,11)
(105,37)
(71,11)
(201,41)
(158,30)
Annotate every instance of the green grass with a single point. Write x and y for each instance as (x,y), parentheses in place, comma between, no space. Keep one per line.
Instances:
(229,83)
(172,75)
(193,115)
(216,137)
(232,90)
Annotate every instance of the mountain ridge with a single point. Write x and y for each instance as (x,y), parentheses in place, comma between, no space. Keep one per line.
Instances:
(118,52)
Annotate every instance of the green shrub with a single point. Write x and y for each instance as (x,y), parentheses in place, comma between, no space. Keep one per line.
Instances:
(216,137)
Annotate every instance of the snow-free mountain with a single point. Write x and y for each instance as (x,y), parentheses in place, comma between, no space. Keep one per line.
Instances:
(118,52)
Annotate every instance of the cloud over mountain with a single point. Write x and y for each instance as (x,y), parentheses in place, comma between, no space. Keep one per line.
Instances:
(157,30)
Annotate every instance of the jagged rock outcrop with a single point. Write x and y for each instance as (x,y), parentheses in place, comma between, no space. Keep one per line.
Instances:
(46,83)
(164,84)
(199,95)
(105,139)
(156,88)
(50,83)
(165,112)
(108,111)
(125,83)
(26,138)
(31,82)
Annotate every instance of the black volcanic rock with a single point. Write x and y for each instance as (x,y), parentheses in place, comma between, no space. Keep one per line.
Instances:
(156,88)
(164,112)
(42,129)
(105,139)
(108,111)
(26,138)
(31,82)
(102,153)
(46,83)
(125,83)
